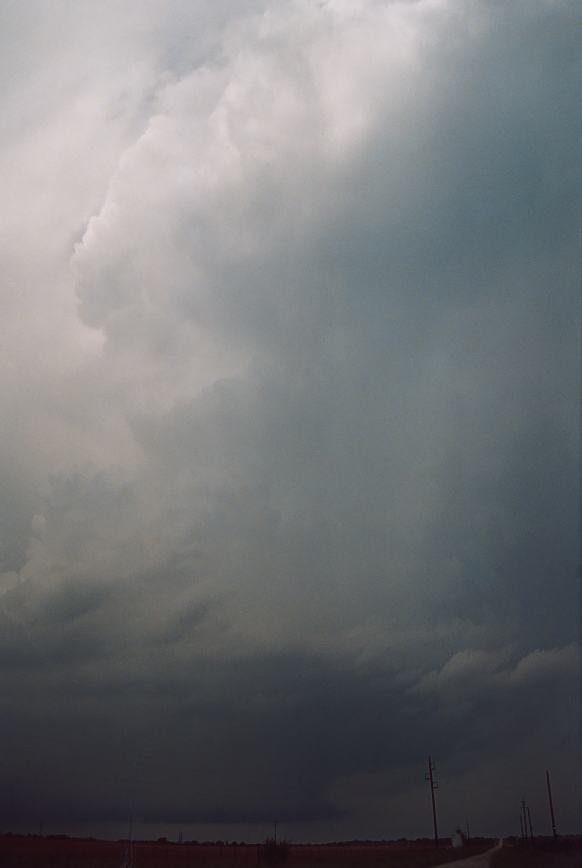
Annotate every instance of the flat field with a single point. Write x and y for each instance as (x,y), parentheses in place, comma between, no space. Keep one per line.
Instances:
(568,854)
(60,852)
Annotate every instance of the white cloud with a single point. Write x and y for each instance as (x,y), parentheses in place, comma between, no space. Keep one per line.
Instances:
(251,319)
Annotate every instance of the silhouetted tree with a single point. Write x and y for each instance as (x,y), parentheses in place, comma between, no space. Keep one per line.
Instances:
(274,852)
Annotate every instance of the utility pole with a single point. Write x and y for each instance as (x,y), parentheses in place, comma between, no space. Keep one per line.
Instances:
(554,831)
(275,825)
(434,785)
(128,857)
(468,835)
(521,826)
(131,840)
(531,837)
(524,812)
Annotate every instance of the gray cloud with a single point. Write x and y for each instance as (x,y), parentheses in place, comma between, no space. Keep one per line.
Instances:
(290,403)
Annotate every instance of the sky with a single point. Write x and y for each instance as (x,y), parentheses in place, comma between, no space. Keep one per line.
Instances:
(289,416)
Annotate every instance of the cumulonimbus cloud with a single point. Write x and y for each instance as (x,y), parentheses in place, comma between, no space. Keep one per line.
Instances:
(302,322)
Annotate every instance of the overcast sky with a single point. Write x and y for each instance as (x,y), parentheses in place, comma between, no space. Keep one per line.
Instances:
(289,415)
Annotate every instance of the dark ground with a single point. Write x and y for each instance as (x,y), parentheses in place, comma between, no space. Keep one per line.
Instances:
(544,854)
(61,852)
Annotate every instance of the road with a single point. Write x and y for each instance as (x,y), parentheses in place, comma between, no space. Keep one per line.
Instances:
(482,860)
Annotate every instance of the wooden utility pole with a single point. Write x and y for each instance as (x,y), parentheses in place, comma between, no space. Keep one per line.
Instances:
(524,820)
(128,856)
(554,831)
(531,837)
(434,785)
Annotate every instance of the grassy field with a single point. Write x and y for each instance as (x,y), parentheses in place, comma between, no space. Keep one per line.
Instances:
(568,854)
(35,852)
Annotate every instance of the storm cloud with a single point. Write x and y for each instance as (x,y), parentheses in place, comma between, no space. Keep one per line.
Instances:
(290,414)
